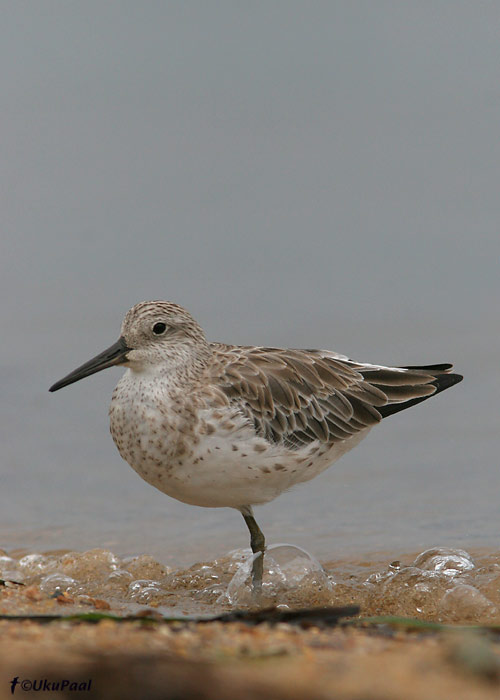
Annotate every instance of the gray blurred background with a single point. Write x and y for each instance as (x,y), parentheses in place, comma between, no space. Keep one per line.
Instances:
(308,174)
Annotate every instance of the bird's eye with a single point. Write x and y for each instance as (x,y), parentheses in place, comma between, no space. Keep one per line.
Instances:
(159,328)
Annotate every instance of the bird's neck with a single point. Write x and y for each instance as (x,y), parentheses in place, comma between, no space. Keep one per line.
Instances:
(178,368)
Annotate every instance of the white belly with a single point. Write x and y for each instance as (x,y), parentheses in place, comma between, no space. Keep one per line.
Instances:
(214,461)
(230,470)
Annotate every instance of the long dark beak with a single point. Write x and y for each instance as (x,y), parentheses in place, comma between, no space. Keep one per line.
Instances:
(116,354)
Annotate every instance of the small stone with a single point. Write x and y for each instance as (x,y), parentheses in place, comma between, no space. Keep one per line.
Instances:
(33,593)
(64,599)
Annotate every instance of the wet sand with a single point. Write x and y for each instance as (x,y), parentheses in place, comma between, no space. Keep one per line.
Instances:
(441,585)
(134,660)
(371,659)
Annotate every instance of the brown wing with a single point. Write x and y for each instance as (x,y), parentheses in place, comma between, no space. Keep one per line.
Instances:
(295,397)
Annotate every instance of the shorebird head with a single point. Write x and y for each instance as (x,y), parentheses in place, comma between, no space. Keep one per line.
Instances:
(153,334)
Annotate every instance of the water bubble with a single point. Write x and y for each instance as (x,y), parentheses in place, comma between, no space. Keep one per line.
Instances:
(378,576)
(34,565)
(236,558)
(144,590)
(287,568)
(239,591)
(91,566)
(9,570)
(423,587)
(294,562)
(120,575)
(118,581)
(32,560)
(210,594)
(144,566)
(466,602)
(442,560)
(57,582)
(7,562)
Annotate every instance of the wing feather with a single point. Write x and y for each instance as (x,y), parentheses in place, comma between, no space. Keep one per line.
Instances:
(295,397)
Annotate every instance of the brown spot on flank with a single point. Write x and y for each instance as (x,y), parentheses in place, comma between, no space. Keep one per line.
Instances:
(279,467)
(259,447)
(210,428)
(181,448)
(266,470)
(234,448)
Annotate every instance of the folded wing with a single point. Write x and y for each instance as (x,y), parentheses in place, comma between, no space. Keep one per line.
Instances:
(294,397)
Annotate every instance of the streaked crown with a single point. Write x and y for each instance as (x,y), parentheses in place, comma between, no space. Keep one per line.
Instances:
(153,329)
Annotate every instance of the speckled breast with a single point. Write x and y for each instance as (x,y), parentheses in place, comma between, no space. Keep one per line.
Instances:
(150,434)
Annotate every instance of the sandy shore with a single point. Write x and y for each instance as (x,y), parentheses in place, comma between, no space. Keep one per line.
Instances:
(227,661)
(215,660)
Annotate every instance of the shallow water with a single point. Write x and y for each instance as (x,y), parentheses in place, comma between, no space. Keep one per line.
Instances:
(439,584)
(429,474)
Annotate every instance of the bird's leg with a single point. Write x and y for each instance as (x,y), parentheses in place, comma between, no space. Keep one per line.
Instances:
(258,544)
